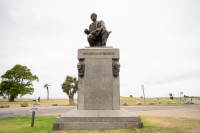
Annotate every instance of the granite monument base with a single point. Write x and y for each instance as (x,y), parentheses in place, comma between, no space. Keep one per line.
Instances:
(97,119)
(98,88)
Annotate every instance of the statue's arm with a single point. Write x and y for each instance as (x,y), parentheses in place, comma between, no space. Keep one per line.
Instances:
(87,31)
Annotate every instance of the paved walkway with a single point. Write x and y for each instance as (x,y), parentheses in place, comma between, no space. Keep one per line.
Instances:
(171,111)
(6,112)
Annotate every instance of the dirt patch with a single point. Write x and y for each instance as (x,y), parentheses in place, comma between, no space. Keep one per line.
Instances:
(186,113)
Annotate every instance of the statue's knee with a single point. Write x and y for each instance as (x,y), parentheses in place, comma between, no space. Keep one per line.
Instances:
(105,31)
(89,37)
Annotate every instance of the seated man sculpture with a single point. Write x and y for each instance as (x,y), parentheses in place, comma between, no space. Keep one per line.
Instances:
(97,34)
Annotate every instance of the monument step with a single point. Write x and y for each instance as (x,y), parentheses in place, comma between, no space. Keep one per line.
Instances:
(95,125)
(98,113)
(97,119)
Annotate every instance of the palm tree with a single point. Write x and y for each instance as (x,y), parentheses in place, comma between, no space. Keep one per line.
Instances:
(70,87)
(46,86)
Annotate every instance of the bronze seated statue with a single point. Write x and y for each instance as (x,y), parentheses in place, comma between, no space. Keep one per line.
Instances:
(97,34)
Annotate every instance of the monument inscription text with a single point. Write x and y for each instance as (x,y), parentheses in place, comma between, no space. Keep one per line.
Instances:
(98,53)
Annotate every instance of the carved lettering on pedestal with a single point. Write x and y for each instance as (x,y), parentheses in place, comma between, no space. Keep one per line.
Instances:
(98,53)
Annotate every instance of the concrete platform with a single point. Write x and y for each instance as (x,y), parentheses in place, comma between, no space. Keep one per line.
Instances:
(97,119)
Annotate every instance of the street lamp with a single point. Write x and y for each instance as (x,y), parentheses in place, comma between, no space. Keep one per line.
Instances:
(143,93)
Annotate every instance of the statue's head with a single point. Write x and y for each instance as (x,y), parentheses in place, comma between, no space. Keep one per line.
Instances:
(93,16)
(81,69)
(79,65)
(116,69)
(117,65)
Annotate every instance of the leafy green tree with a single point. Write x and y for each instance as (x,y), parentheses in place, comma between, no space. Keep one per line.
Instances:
(17,80)
(170,94)
(70,87)
(46,86)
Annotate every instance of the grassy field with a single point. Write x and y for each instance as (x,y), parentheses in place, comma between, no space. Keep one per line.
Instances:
(16,103)
(44,124)
(65,102)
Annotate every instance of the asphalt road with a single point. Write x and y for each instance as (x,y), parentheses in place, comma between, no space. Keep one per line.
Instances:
(8,112)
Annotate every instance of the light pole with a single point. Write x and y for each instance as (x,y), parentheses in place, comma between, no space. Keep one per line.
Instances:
(181,93)
(143,93)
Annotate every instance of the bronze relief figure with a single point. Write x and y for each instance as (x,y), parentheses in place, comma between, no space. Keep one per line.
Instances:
(81,69)
(116,68)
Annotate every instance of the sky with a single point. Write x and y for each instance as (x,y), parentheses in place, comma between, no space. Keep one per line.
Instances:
(159,42)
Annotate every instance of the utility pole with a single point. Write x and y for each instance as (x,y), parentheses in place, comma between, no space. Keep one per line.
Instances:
(143,93)
(181,93)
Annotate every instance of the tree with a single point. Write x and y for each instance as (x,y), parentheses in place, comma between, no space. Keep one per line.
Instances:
(70,87)
(170,94)
(46,86)
(17,80)
(131,96)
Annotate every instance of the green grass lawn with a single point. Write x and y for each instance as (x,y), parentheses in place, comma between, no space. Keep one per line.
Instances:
(65,102)
(44,124)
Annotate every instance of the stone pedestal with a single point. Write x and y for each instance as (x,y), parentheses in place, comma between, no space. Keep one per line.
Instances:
(98,88)
(98,95)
